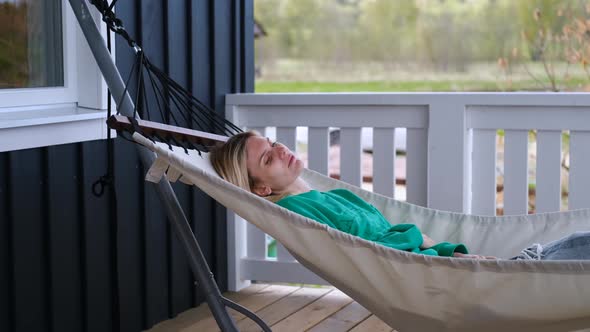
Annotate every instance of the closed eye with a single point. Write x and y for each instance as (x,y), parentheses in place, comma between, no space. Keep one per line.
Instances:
(268,154)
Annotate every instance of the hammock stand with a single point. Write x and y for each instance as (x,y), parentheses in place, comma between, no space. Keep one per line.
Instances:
(201,271)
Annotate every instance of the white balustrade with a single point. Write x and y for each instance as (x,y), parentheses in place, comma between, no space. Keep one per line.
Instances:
(451,153)
(350,156)
(256,244)
(483,199)
(579,180)
(548,180)
(318,145)
(384,161)
(515,172)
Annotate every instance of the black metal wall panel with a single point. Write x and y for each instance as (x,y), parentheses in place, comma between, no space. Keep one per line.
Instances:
(177,61)
(128,179)
(222,81)
(97,241)
(72,261)
(29,238)
(153,17)
(6,263)
(64,230)
(129,190)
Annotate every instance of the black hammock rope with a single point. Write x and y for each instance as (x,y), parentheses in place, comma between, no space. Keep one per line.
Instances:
(175,104)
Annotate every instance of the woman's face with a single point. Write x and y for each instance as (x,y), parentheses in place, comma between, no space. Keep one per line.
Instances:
(272,165)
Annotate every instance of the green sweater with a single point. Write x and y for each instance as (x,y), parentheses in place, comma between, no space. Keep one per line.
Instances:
(345,211)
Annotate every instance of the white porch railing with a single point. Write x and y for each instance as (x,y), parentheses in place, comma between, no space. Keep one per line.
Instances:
(450,154)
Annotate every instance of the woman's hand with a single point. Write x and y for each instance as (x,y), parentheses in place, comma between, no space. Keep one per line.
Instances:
(460,255)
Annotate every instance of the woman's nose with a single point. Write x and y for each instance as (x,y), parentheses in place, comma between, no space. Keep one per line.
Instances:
(282,151)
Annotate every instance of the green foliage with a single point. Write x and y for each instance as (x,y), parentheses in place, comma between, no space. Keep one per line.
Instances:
(553,32)
(389,86)
(13,45)
(441,35)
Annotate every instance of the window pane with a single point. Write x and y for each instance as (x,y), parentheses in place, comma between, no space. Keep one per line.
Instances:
(31,45)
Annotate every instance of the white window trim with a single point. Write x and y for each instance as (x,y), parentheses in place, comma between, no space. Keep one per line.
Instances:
(76,112)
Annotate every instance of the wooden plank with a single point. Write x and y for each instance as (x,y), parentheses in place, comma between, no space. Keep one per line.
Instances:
(416,166)
(150,128)
(195,315)
(314,313)
(579,180)
(254,303)
(343,320)
(483,185)
(283,308)
(264,298)
(372,324)
(515,172)
(317,149)
(350,155)
(63,179)
(548,182)
(383,161)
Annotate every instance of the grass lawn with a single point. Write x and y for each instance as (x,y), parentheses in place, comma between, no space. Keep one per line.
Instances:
(399,86)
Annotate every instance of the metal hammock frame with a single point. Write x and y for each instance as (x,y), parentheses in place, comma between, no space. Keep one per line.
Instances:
(195,139)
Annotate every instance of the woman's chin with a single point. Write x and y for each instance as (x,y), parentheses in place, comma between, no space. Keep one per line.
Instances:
(298,166)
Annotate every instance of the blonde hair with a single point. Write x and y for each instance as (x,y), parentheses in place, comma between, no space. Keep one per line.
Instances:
(229,161)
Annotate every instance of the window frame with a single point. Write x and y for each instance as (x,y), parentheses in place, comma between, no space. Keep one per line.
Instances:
(75,112)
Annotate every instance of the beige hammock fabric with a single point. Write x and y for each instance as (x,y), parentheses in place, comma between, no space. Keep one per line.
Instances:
(413,292)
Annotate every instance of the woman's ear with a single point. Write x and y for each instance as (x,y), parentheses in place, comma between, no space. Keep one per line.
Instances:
(262,190)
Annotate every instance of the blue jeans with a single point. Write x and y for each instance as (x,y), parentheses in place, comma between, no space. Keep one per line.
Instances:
(573,246)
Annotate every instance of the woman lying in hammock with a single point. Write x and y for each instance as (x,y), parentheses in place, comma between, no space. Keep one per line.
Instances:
(271,170)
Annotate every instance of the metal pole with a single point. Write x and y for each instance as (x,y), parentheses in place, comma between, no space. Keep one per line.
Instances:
(197,261)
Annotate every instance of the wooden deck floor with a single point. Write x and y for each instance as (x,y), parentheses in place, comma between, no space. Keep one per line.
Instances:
(284,308)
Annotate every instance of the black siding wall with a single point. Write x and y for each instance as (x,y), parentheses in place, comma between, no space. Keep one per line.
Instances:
(70,261)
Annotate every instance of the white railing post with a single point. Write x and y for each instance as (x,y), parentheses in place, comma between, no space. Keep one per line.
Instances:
(447,157)
(236,250)
(237,239)
(288,137)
